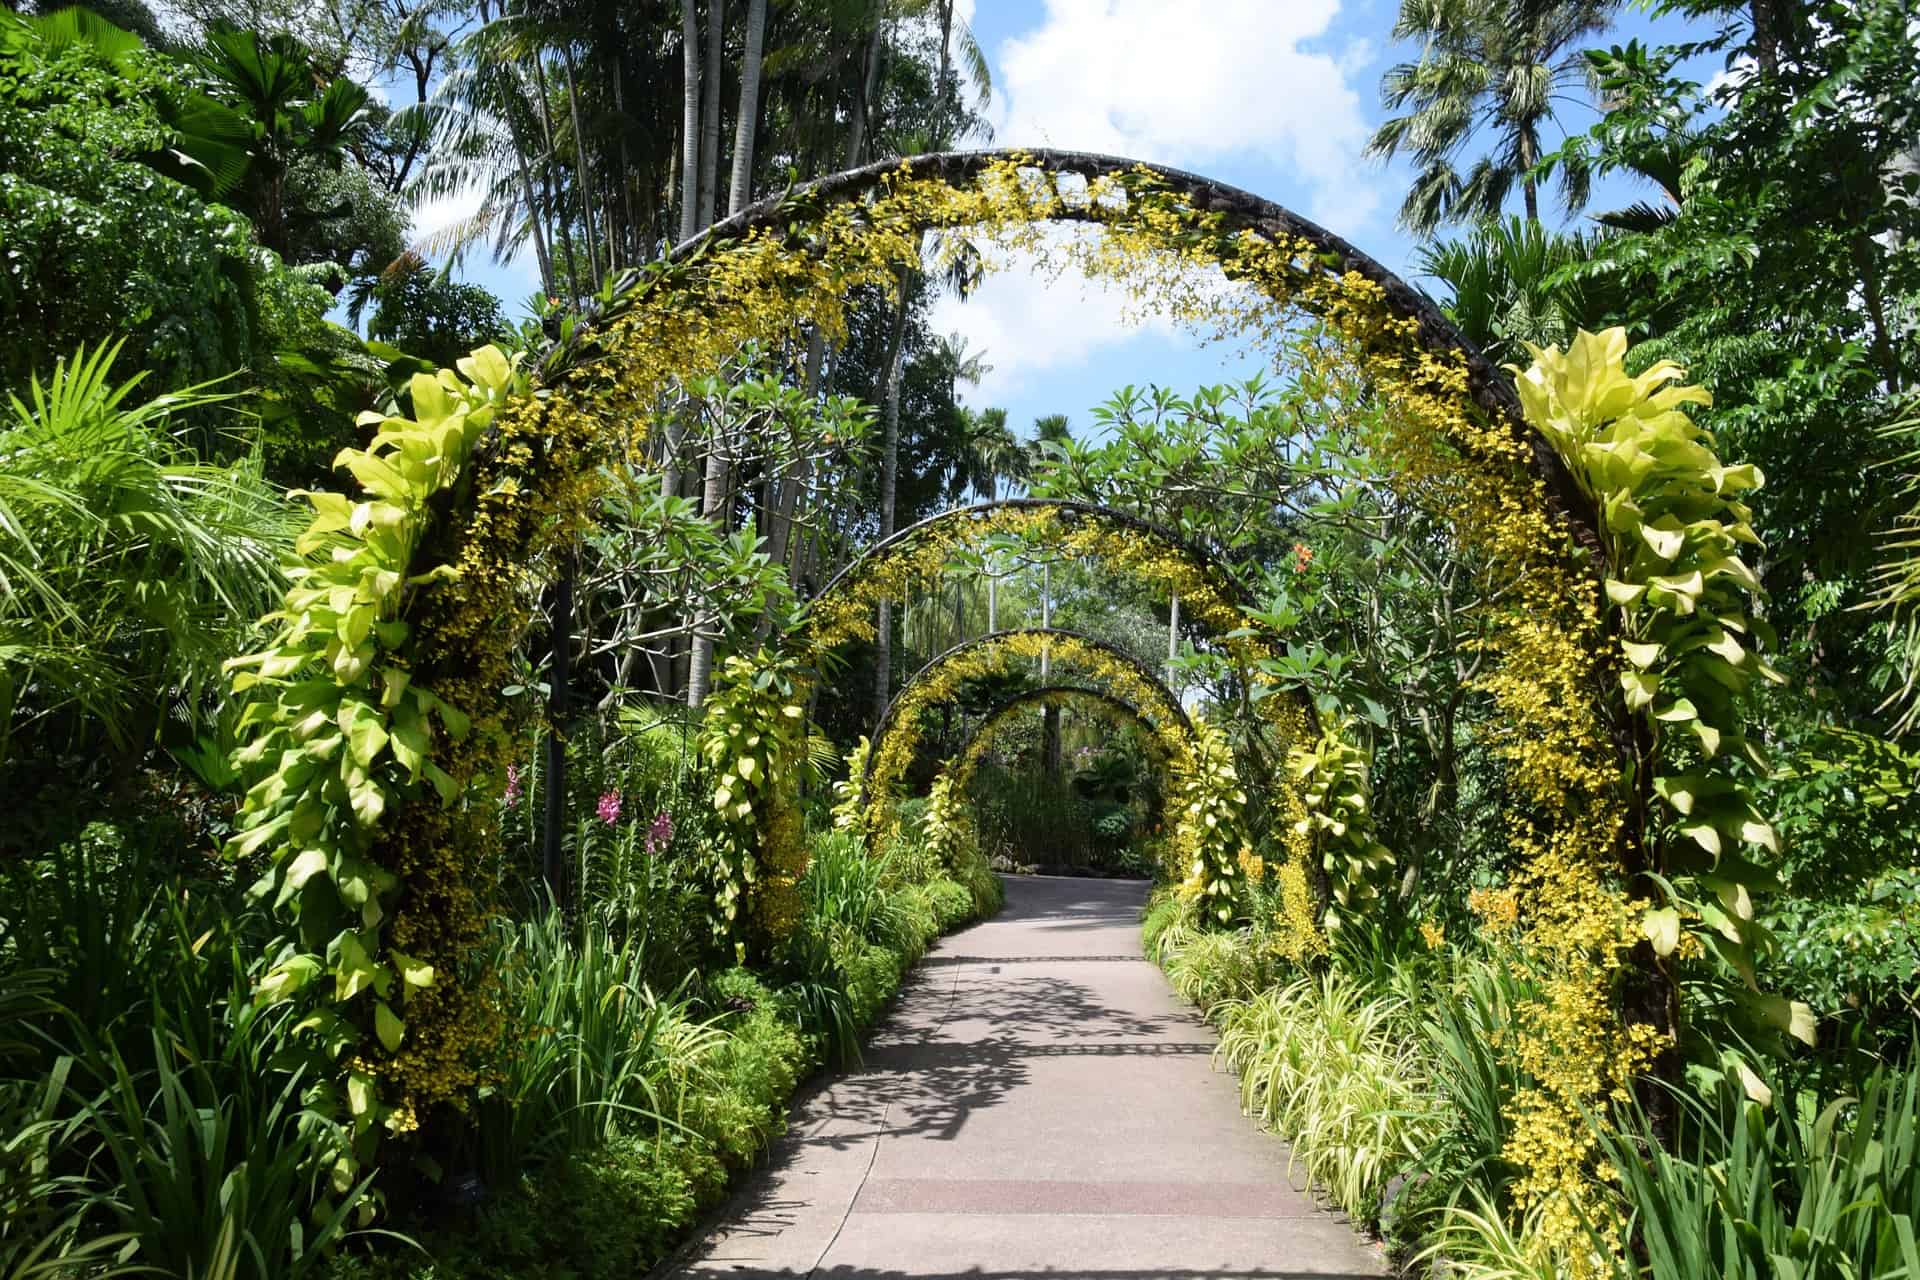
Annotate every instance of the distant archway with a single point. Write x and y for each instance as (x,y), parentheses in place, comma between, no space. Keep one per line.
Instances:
(1114,672)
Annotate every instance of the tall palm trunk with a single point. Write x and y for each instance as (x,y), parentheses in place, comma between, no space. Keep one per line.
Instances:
(542,254)
(552,182)
(689,121)
(710,110)
(889,488)
(869,84)
(718,485)
(582,176)
(714,507)
(749,121)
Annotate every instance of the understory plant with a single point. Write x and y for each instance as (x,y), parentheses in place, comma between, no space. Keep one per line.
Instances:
(1826,1187)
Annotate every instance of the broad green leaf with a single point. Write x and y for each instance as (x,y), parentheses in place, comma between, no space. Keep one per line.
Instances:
(1624,593)
(1642,655)
(387,1025)
(1662,927)
(360,1094)
(413,973)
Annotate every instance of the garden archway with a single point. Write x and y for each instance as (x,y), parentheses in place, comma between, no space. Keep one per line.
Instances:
(1119,673)
(380,706)
(1167,756)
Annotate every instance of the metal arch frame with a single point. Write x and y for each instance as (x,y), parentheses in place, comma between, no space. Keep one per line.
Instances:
(887,720)
(1492,391)
(1236,591)
(1020,700)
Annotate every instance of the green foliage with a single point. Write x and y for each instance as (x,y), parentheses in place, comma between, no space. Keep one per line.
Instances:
(1214,970)
(424,313)
(1332,1067)
(1776,267)
(592,1052)
(162,1117)
(1832,1189)
(946,826)
(1332,777)
(1507,287)
(131,569)
(1689,631)
(751,739)
(98,241)
(340,732)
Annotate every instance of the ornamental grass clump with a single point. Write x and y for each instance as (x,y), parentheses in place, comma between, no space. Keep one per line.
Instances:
(1341,1073)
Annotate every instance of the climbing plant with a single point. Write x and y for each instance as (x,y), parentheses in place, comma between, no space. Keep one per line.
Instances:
(1208,839)
(752,737)
(1337,828)
(1683,599)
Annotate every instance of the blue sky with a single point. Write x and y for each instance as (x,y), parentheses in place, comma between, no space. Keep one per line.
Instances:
(1276,96)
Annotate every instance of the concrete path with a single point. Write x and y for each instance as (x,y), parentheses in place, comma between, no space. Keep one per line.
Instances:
(1038,1103)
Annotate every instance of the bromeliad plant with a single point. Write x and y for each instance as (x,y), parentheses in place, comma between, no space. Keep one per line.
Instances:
(1332,777)
(342,734)
(1684,605)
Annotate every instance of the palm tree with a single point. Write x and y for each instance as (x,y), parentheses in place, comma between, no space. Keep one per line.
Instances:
(1492,66)
(482,119)
(1507,286)
(295,112)
(747,121)
(994,453)
(129,570)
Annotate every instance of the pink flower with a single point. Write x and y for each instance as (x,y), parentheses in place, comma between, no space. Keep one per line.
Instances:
(513,784)
(608,810)
(659,832)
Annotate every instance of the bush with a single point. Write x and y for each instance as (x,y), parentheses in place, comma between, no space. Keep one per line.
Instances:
(1211,970)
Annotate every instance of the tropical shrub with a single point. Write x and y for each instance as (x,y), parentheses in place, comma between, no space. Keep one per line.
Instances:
(134,568)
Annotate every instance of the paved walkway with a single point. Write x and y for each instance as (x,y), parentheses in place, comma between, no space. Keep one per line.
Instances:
(1038,1103)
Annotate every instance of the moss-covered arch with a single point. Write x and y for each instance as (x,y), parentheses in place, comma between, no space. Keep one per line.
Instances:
(1110,668)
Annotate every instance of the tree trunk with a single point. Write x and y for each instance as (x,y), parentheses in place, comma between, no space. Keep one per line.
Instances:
(622,247)
(559,677)
(541,253)
(749,121)
(869,85)
(713,506)
(689,122)
(710,110)
(889,485)
(793,476)
(553,186)
(582,175)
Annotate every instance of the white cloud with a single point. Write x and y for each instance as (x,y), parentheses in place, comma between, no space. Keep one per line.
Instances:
(1025,321)
(1145,78)
(1028,317)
